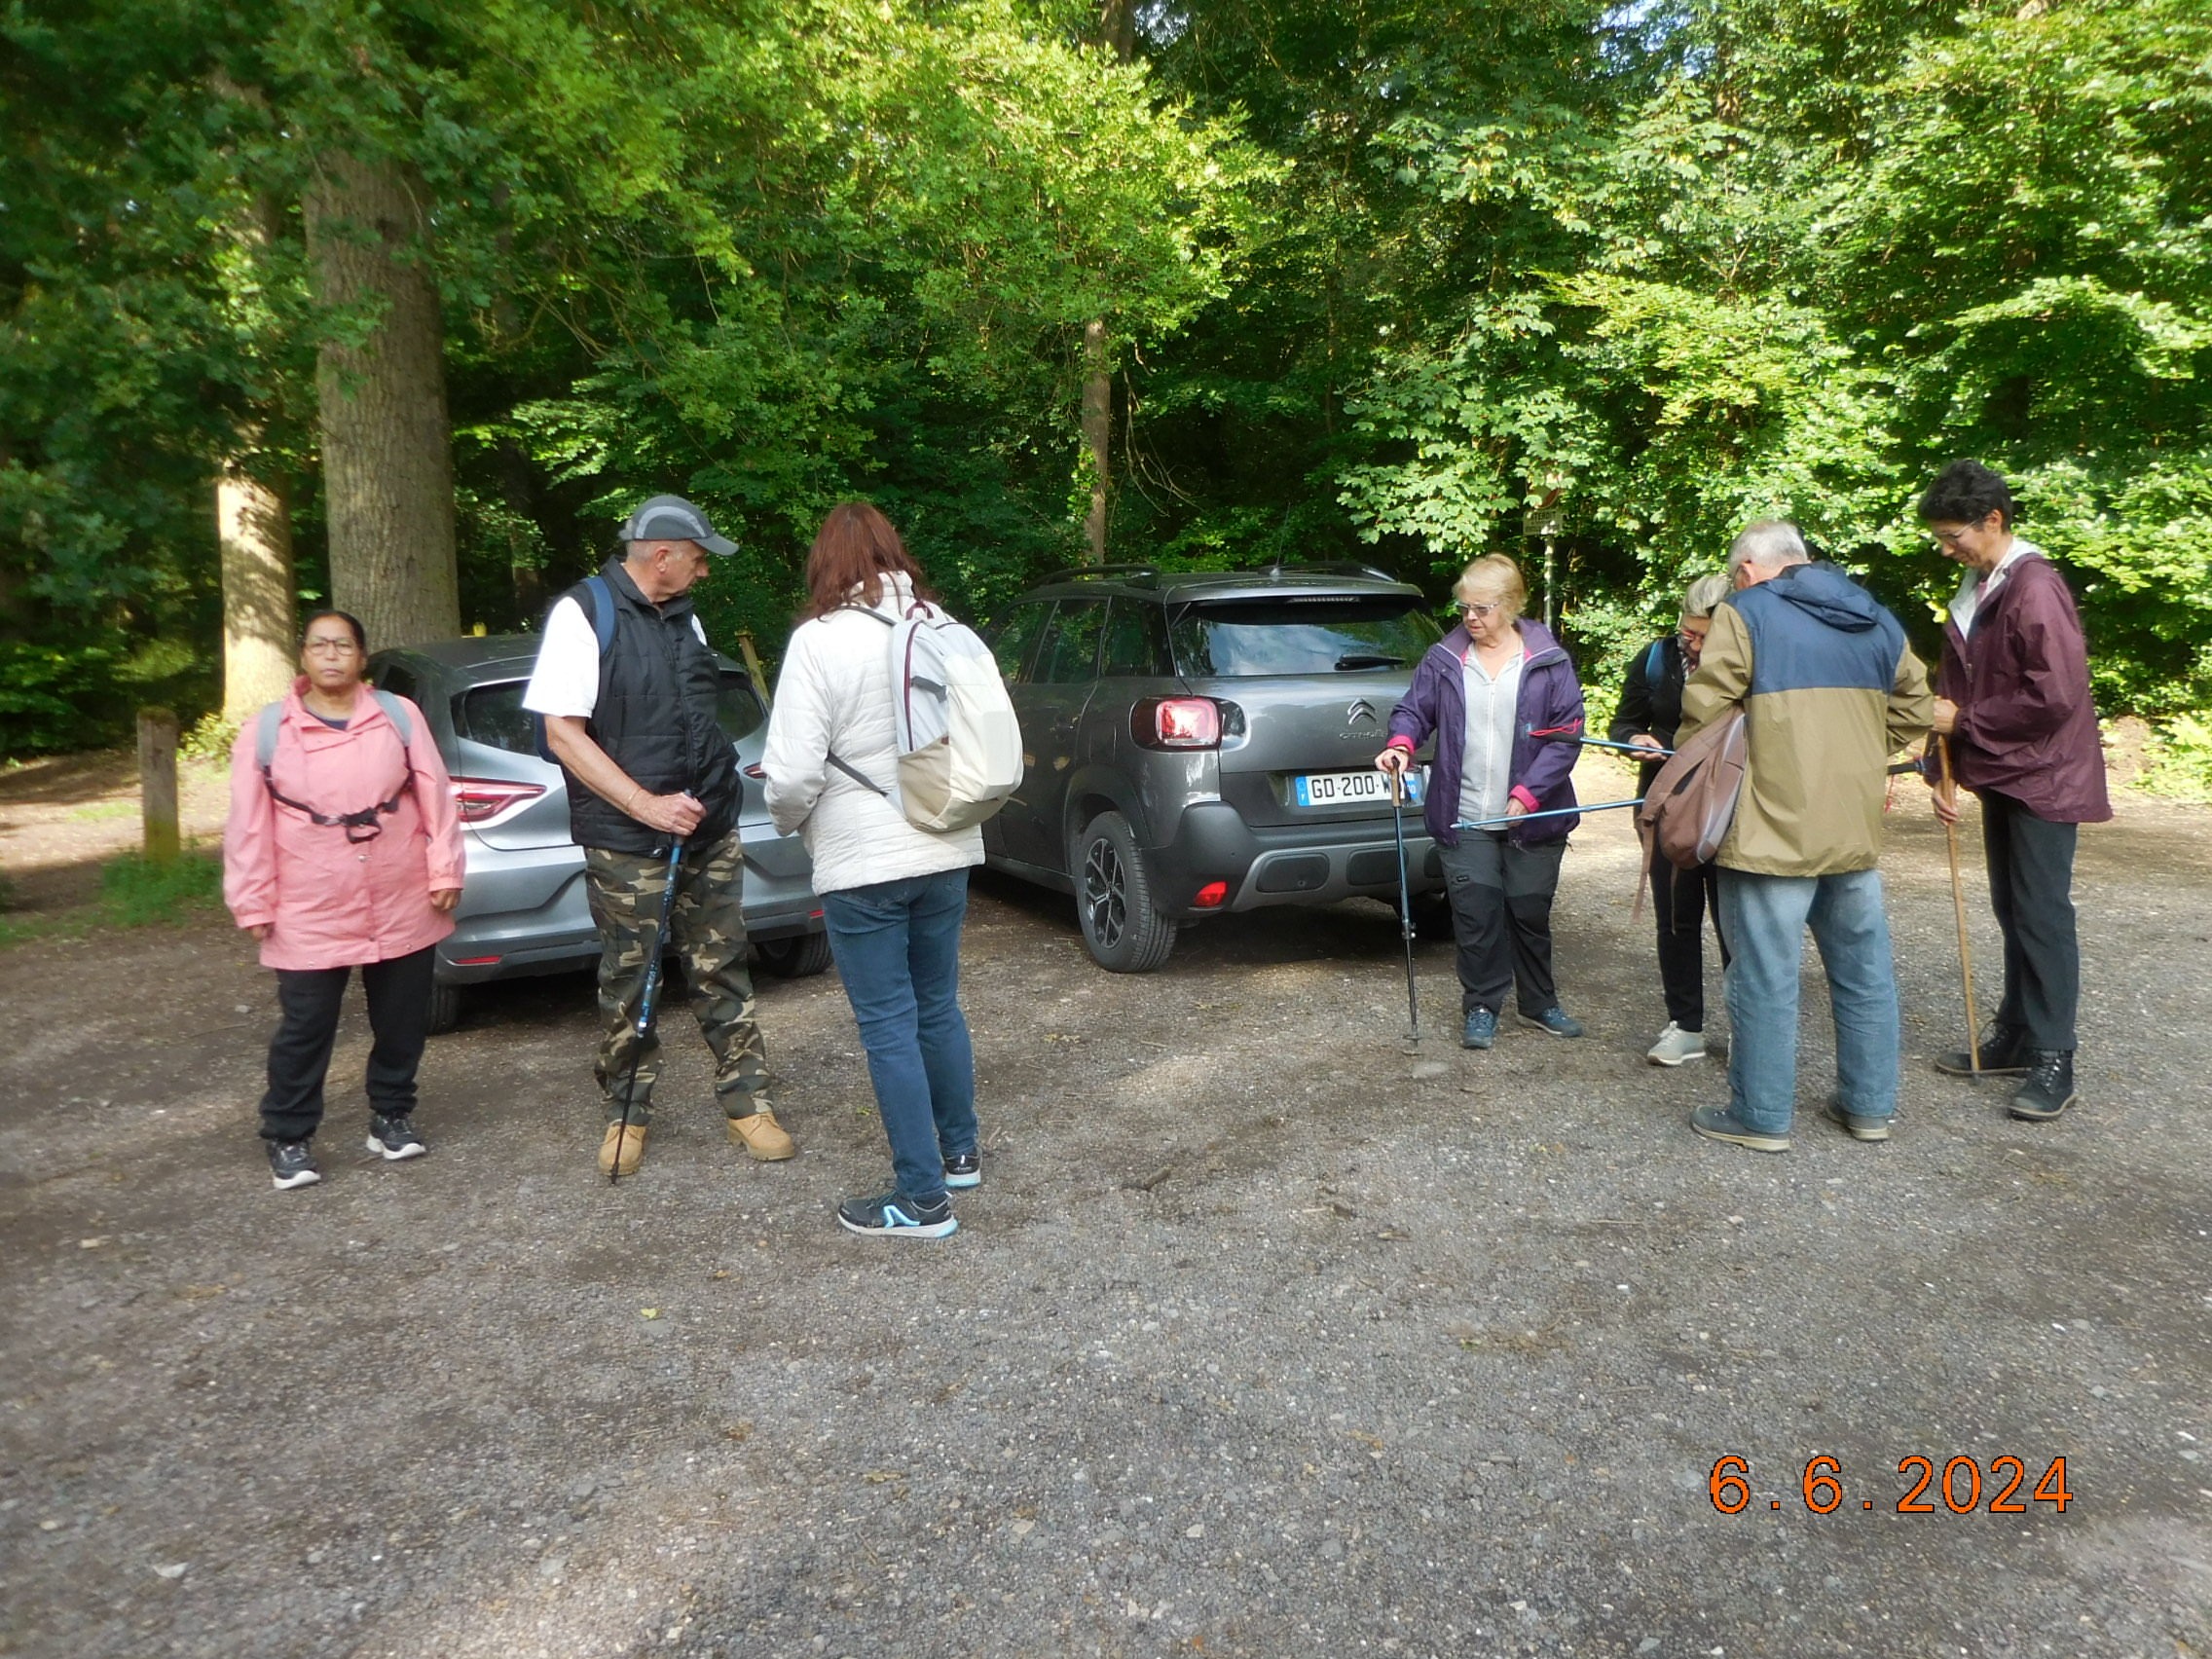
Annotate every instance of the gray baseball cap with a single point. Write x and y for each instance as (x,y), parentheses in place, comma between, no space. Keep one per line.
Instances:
(670,518)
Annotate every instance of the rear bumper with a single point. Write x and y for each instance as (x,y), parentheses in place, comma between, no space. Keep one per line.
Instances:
(525,912)
(1292,864)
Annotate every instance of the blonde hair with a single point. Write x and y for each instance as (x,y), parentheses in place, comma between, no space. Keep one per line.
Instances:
(1501,575)
(1704,596)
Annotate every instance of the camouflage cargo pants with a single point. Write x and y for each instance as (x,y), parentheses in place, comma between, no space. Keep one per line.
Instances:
(708,933)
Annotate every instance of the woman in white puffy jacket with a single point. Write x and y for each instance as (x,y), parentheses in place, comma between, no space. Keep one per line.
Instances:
(893,897)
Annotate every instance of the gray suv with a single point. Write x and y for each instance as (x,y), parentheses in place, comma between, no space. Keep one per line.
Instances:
(523,908)
(1205,743)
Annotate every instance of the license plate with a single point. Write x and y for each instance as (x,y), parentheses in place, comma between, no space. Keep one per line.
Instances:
(1341,789)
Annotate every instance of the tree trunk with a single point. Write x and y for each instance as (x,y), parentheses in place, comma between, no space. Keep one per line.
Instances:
(386,448)
(1097,434)
(1117,29)
(253,526)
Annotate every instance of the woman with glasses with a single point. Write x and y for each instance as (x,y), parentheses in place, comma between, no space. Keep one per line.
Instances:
(1649,712)
(1499,696)
(343,851)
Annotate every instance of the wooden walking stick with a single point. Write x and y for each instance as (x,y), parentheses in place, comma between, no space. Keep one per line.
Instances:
(1959,907)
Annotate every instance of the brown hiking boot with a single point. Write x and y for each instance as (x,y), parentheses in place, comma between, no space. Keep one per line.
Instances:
(625,1159)
(763,1137)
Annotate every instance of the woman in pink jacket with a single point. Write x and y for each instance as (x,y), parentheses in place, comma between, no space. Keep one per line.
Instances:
(343,851)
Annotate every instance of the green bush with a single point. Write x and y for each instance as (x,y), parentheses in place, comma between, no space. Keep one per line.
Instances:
(2179,760)
(137,891)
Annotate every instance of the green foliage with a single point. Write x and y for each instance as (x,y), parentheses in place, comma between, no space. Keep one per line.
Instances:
(1403,280)
(137,892)
(2180,761)
(52,696)
(209,739)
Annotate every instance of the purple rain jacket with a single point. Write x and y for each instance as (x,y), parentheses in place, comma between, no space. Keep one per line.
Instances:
(2027,728)
(1539,771)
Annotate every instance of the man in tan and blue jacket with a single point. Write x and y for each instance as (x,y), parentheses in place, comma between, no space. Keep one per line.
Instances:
(1830,690)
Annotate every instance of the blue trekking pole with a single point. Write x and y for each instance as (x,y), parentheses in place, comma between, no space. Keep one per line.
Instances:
(1607,743)
(644,1024)
(1554,812)
(1405,905)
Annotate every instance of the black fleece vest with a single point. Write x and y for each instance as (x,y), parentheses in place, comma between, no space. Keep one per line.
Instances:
(658,687)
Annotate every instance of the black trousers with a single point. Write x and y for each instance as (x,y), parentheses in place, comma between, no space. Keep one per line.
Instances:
(398,992)
(1680,900)
(2031,890)
(1501,918)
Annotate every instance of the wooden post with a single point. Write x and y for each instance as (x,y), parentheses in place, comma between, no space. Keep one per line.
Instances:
(156,783)
(751,659)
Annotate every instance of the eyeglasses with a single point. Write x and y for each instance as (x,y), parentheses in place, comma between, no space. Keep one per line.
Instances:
(1476,612)
(1690,643)
(1950,537)
(330,648)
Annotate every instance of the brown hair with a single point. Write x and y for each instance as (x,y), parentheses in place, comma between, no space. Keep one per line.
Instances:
(855,548)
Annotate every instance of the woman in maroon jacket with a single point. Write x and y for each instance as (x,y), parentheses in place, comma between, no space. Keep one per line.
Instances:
(2013,698)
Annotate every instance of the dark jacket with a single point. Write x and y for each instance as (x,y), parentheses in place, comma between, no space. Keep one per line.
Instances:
(1651,701)
(660,687)
(1830,690)
(1550,701)
(2027,727)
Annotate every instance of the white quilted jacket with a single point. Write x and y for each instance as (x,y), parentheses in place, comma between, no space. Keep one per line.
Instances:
(834,693)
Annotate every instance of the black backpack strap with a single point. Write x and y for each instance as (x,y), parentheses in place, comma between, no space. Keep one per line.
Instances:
(353,823)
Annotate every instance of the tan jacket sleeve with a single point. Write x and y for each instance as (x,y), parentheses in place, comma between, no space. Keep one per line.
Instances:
(1912,706)
(1723,677)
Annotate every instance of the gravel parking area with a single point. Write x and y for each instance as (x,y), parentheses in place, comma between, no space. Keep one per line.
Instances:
(1261,1337)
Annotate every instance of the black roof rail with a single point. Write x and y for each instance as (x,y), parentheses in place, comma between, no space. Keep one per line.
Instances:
(1077,572)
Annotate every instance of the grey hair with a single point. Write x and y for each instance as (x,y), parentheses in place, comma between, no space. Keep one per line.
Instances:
(1702,596)
(1767,544)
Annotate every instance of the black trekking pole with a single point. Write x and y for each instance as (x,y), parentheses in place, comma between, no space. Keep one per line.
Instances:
(645,1005)
(1405,903)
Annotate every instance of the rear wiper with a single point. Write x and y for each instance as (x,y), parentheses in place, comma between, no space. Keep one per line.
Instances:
(1361,660)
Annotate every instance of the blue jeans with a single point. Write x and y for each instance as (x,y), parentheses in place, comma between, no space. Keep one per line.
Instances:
(1764,918)
(898,950)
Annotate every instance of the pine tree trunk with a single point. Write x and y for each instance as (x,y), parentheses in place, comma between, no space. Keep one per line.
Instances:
(253,526)
(386,448)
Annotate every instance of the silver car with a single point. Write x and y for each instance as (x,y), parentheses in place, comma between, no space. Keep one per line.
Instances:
(523,908)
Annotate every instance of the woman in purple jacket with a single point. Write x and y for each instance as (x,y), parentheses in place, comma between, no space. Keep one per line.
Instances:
(2013,699)
(1497,693)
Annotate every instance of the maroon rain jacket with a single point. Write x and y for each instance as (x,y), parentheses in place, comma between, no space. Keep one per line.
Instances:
(2026,726)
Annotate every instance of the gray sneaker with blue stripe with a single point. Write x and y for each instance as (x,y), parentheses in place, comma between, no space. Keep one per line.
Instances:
(894,1215)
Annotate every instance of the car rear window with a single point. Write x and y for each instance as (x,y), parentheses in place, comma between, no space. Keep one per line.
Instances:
(493,714)
(1300,634)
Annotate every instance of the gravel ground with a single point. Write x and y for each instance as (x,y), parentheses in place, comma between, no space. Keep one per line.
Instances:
(1256,1340)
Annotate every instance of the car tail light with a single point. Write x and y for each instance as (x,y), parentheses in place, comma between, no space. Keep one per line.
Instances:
(754,772)
(485,801)
(1211,896)
(474,961)
(1176,722)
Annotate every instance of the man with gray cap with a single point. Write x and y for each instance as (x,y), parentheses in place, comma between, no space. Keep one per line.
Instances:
(628,689)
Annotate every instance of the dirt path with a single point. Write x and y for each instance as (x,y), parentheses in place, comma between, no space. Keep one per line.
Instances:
(1434,1366)
(62,815)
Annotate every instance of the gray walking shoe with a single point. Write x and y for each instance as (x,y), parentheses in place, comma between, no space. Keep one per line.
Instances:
(1674,1046)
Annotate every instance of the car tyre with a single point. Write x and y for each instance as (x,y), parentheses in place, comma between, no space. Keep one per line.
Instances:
(445,1006)
(800,957)
(1113,899)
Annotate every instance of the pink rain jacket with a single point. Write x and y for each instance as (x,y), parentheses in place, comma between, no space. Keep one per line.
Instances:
(332,903)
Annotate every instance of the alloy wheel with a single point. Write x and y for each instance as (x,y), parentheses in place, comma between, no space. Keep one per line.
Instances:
(1105,893)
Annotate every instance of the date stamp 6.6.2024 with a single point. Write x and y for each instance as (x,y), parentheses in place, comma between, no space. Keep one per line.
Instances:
(1960,1484)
